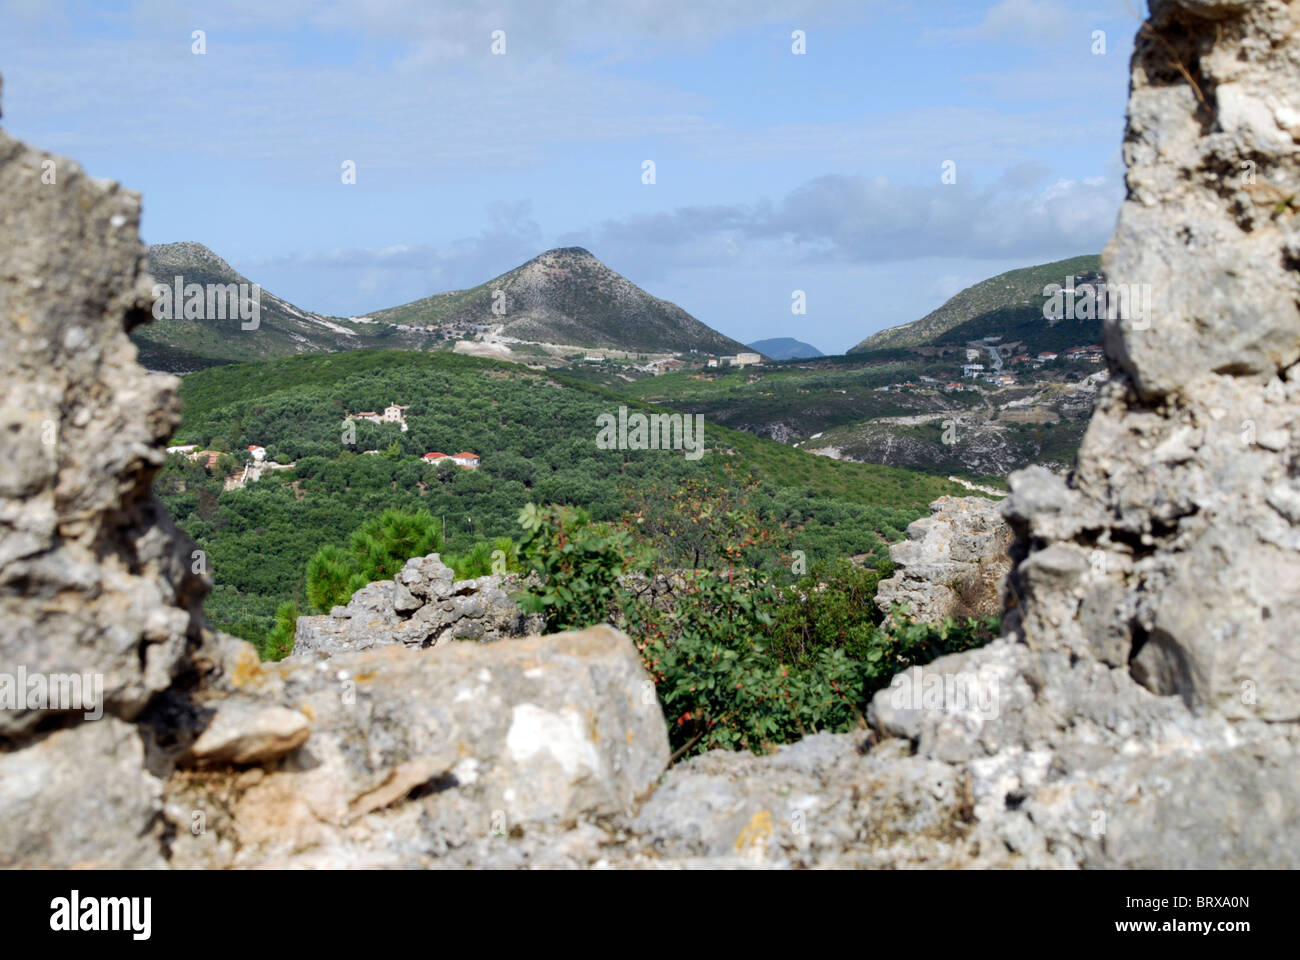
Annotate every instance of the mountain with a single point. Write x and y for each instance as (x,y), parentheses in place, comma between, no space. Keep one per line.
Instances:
(181,346)
(785,348)
(994,306)
(567,296)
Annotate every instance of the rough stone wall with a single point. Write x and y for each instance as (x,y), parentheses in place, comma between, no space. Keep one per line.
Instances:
(94,579)
(1173,549)
(93,575)
(423,606)
(953,563)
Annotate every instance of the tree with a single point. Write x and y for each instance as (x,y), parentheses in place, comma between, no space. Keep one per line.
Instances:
(376,551)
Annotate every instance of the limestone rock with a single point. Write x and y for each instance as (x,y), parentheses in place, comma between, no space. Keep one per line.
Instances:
(952,563)
(81,797)
(94,578)
(415,752)
(244,732)
(1174,546)
(423,606)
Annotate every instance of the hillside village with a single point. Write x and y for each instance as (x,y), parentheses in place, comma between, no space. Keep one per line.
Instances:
(255,463)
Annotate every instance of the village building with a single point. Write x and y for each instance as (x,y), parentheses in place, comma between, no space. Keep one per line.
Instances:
(208,458)
(393,413)
(665,366)
(185,448)
(465,459)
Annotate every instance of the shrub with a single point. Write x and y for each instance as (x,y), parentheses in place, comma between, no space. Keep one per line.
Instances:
(485,557)
(579,562)
(278,644)
(376,551)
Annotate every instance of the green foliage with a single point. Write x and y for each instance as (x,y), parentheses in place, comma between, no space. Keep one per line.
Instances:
(535,433)
(330,574)
(580,564)
(903,642)
(279,642)
(833,606)
(486,557)
(738,661)
(376,551)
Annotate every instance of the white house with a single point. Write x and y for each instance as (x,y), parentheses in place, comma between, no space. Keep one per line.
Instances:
(185,448)
(746,359)
(393,413)
(465,459)
(259,453)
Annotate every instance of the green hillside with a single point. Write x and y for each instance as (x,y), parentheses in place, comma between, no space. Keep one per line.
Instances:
(534,432)
(988,306)
(181,345)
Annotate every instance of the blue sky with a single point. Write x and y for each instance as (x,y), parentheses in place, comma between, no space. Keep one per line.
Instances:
(774,171)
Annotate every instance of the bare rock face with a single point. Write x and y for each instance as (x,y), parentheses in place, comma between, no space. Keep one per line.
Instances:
(94,579)
(99,607)
(953,562)
(414,753)
(1173,551)
(81,797)
(423,606)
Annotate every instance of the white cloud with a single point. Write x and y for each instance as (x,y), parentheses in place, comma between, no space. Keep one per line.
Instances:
(871,220)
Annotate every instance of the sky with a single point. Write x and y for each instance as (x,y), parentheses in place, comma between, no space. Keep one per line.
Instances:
(775,171)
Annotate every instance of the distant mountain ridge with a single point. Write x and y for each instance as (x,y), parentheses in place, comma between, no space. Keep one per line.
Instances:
(567,296)
(992,306)
(180,345)
(563,296)
(785,348)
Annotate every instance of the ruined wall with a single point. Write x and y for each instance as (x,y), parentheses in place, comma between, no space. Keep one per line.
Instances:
(95,582)
(953,563)
(1174,547)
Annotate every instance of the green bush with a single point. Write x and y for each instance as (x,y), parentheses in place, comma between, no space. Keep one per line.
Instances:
(579,562)
(376,551)
(738,661)
(278,644)
(500,555)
